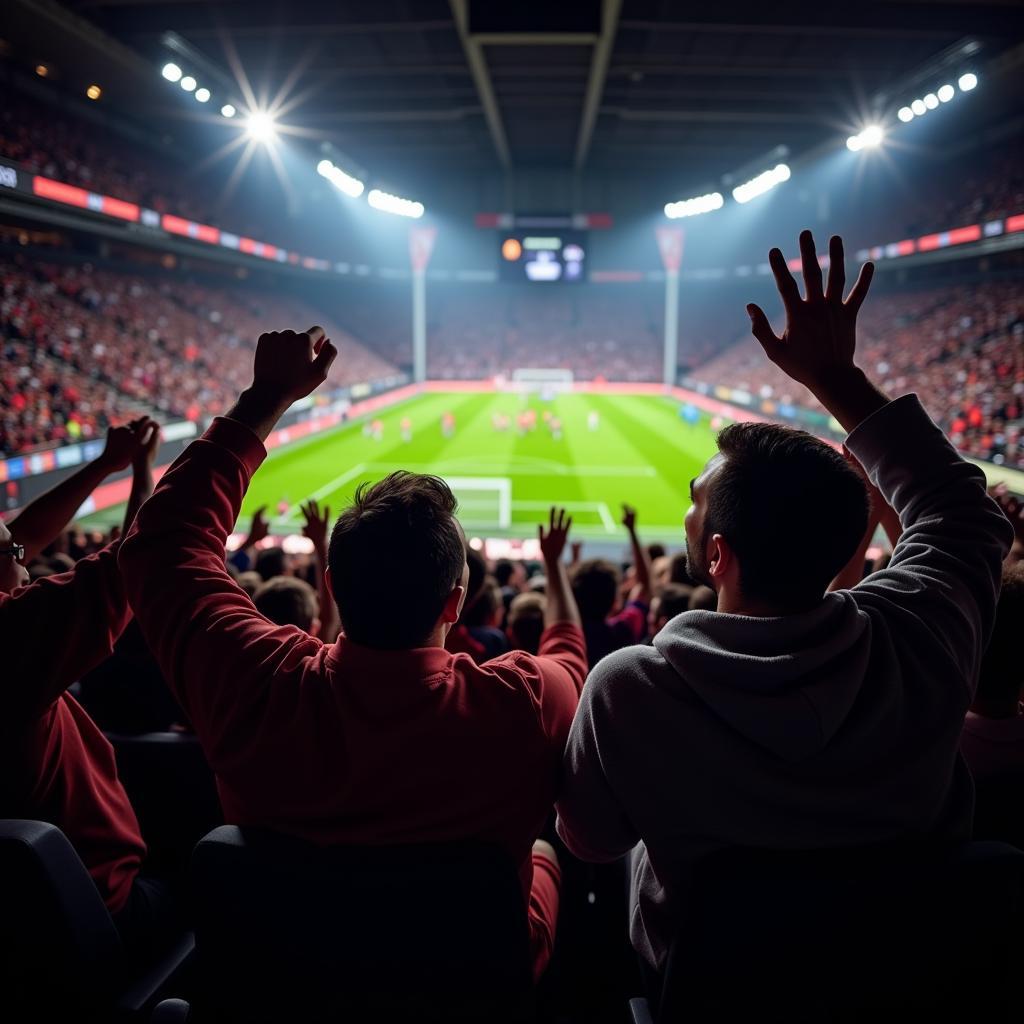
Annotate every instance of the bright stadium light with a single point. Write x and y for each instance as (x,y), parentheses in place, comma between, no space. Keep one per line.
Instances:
(695,206)
(387,203)
(931,101)
(188,83)
(945,93)
(854,143)
(228,110)
(761,184)
(260,127)
(918,107)
(171,72)
(967,82)
(905,114)
(202,95)
(339,179)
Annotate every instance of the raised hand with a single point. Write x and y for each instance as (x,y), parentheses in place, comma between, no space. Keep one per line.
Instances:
(259,528)
(288,366)
(317,524)
(819,340)
(628,517)
(124,443)
(148,445)
(552,542)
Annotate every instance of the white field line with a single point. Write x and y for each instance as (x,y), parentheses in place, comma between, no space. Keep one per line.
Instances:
(606,516)
(329,488)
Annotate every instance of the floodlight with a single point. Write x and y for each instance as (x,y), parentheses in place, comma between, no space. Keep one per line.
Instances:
(695,206)
(918,107)
(346,183)
(188,83)
(228,110)
(761,184)
(931,101)
(905,114)
(387,203)
(872,135)
(260,127)
(946,93)
(854,143)
(202,95)
(171,72)
(967,82)
(94,92)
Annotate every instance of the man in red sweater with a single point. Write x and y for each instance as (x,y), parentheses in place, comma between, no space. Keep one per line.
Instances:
(384,736)
(55,764)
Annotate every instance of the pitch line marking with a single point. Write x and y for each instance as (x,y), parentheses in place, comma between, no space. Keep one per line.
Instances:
(606,516)
(327,489)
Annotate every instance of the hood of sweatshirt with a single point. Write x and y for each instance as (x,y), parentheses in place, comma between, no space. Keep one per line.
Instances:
(785,683)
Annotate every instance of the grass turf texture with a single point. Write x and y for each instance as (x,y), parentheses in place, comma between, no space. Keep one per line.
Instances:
(642,453)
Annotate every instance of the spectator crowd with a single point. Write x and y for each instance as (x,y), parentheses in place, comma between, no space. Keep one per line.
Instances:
(395,687)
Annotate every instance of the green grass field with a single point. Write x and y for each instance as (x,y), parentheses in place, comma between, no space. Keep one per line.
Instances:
(641,453)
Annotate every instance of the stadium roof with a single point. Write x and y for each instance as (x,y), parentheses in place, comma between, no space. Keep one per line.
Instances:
(467,86)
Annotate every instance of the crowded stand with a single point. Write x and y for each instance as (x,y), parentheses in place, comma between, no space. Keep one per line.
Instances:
(84,348)
(961,349)
(507,648)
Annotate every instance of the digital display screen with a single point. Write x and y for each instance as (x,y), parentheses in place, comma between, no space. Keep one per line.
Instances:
(543,256)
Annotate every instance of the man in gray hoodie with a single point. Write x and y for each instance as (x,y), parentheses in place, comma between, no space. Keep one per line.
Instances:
(792,718)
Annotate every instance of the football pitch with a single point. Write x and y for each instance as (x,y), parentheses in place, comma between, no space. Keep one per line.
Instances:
(641,452)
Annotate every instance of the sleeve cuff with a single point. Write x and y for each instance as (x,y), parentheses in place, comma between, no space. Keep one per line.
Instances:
(897,429)
(239,439)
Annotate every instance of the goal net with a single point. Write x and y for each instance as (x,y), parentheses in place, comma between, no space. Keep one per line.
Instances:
(547,383)
(485,503)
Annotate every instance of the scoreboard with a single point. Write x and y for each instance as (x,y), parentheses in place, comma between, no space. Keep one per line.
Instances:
(543,256)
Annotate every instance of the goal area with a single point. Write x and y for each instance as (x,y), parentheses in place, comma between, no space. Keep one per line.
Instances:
(485,503)
(531,380)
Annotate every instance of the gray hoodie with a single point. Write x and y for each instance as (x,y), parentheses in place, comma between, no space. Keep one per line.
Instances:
(835,726)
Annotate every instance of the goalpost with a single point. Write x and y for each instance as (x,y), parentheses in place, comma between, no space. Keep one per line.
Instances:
(485,503)
(529,380)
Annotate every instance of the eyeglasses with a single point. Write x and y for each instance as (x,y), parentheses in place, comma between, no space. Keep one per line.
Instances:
(16,551)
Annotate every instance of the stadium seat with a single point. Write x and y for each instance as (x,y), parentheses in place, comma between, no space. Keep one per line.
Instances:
(852,934)
(173,792)
(289,931)
(60,948)
(999,808)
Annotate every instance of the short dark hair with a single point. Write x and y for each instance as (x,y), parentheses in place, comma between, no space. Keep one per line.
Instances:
(678,570)
(777,482)
(595,584)
(271,562)
(674,599)
(526,621)
(503,570)
(287,601)
(1002,670)
(655,551)
(395,555)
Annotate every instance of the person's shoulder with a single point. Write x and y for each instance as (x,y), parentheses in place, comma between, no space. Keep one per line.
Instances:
(624,667)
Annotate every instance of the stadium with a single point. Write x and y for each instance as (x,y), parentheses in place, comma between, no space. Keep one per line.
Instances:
(372,374)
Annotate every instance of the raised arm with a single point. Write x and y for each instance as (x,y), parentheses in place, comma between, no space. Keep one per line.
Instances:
(41,521)
(318,522)
(945,570)
(641,562)
(561,603)
(215,650)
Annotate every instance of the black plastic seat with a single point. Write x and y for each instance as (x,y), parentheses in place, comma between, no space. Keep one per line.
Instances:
(59,948)
(286,930)
(999,808)
(172,791)
(851,934)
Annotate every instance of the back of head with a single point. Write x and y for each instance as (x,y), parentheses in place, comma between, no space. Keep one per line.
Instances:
(674,599)
(250,582)
(702,599)
(678,571)
(526,621)
(503,571)
(288,601)
(271,562)
(1002,668)
(396,553)
(774,484)
(595,583)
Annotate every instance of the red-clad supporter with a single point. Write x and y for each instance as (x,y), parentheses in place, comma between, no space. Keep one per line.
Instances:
(56,764)
(384,736)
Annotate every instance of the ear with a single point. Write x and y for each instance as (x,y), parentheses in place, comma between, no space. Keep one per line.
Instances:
(453,606)
(721,558)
